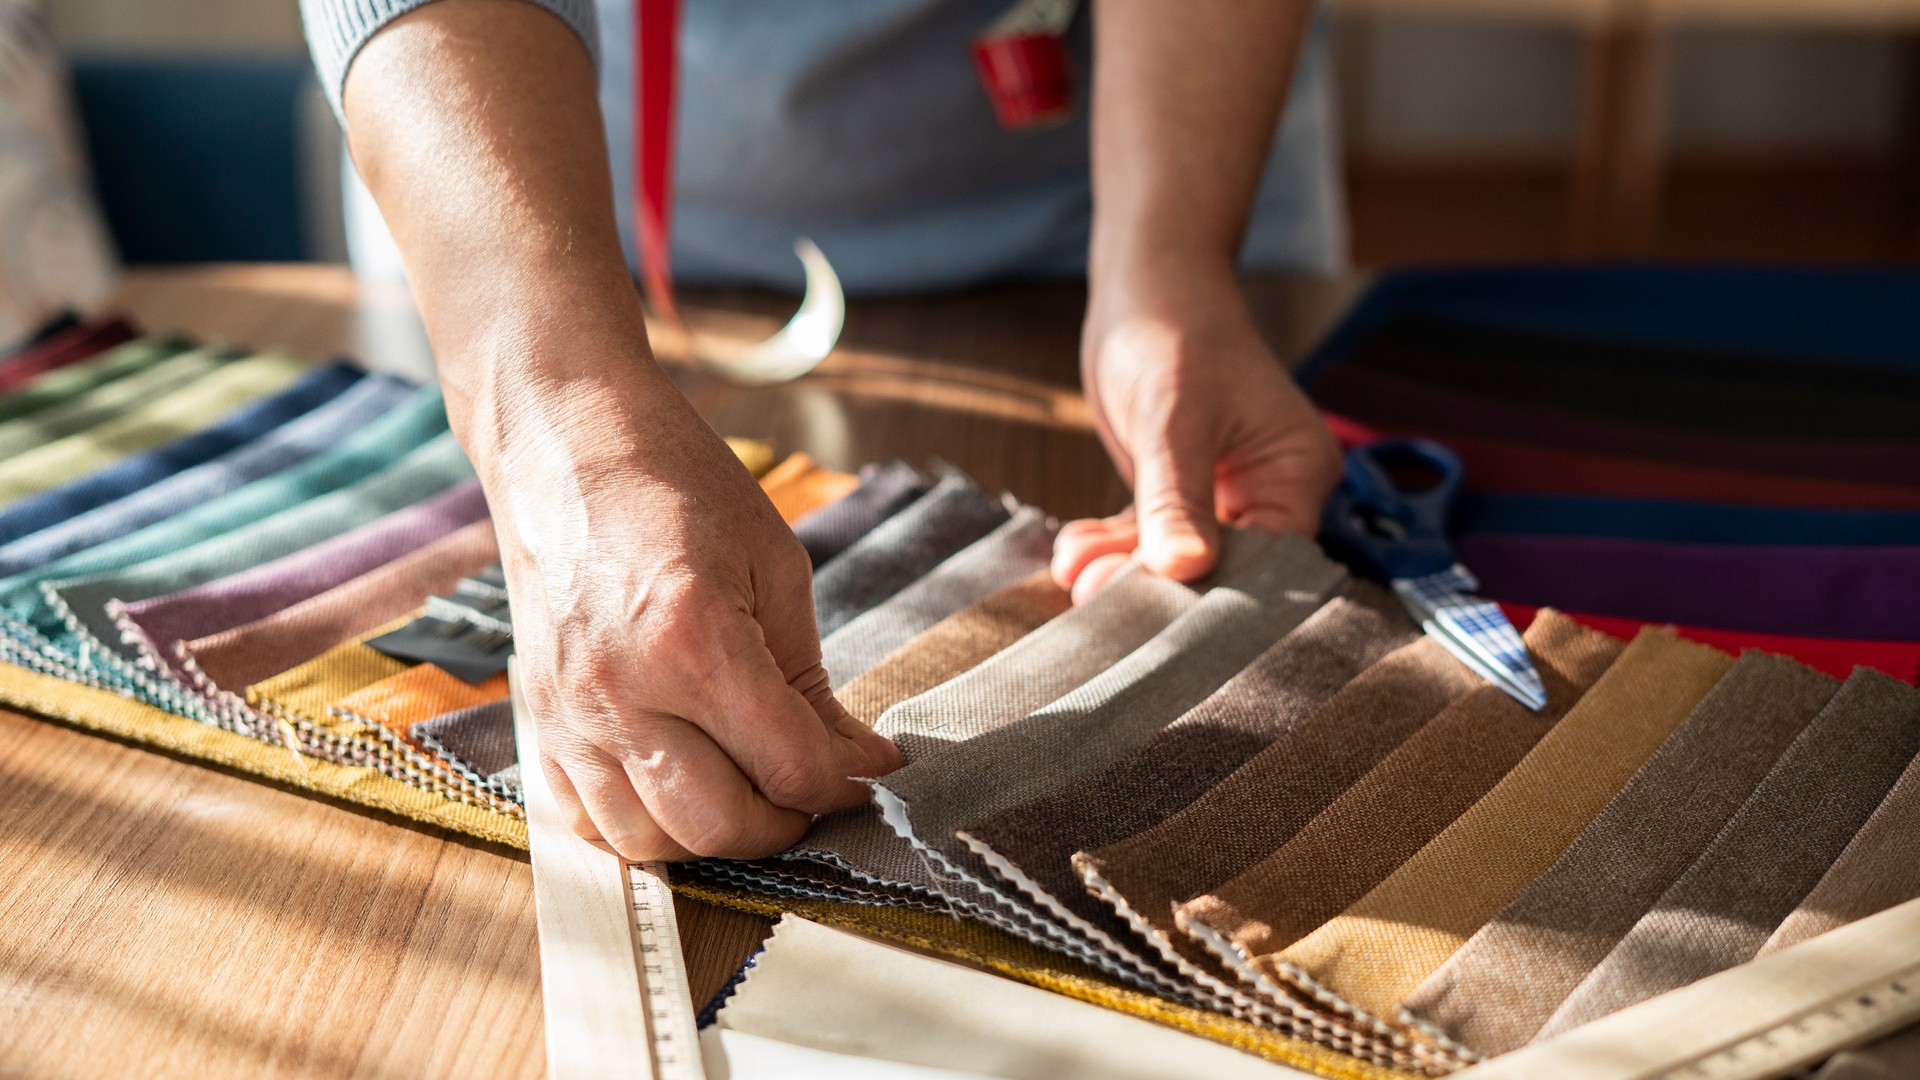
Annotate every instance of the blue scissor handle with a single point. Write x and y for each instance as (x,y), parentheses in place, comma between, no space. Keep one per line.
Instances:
(1384,530)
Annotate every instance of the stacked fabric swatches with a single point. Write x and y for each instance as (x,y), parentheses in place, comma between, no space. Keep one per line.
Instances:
(1261,807)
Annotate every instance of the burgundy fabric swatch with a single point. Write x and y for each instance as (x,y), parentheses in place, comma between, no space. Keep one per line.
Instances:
(67,347)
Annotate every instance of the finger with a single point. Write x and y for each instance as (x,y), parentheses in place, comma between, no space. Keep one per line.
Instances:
(1097,574)
(609,809)
(1081,542)
(816,686)
(1281,489)
(1173,494)
(699,796)
(773,733)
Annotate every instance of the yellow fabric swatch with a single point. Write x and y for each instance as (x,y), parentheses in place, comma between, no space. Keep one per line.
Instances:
(306,690)
(1376,952)
(756,455)
(800,484)
(190,408)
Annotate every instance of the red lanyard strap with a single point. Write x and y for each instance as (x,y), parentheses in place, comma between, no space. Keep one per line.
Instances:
(656,57)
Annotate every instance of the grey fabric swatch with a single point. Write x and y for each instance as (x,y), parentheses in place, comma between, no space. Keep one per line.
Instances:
(1494,993)
(1730,900)
(884,491)
(1254,601)
(481,737)
(1193,753)
(999,559)
(902,548)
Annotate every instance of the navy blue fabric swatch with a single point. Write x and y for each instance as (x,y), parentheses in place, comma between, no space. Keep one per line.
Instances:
(1679,521)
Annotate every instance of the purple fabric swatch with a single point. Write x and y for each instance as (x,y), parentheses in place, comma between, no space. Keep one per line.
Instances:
(1839,592)
(1397,405)
(262,590)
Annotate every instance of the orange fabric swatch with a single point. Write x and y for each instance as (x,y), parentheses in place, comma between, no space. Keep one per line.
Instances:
(418,693)
(800,484)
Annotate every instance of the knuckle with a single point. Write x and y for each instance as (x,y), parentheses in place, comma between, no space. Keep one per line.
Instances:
(789,783)
(718,836)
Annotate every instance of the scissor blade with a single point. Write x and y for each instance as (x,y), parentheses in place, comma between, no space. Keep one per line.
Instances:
(800,345)
(1475,631)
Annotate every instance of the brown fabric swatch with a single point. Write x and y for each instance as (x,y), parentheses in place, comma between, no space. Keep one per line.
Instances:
(954,645)
(1194,752)
(1261,804)
(1894,1057)
(246,654)
(1501,986)
(1402,803)
(1879,869)
(1377,951)
(1736,894)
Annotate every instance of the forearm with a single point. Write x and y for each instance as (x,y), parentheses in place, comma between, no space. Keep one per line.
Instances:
(1185,102)
(476,126)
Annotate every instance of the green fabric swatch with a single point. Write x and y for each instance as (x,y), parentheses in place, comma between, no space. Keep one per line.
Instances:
(66,383)
(187,409)
(86,628)
(103,403)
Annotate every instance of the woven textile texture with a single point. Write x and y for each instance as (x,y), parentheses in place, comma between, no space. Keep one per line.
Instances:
(479,736)
(1875,872)
(55,388)
(1501,986)
(885,490)
(71,346)
(800,485)
(1732,898)
(899,550)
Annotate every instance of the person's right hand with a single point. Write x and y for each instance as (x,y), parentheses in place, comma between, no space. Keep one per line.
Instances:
(663,623)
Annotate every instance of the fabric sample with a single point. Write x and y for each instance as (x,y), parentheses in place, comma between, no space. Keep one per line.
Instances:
(1875,872)
(70,346)
(1397,405)
(1377,951)
(1501,986)
(259,591)
(1675,520)
(955,644)
(1262,590)
(359,413)
(131,474)
(1732,898)
(800,485)
(420,693)
(896,553)
(1893,1057)
(1834,656)
(234,659)
(190,407)
(1838,592)
(55,388)
(1008,554)
(1032,845)
(479,736)
(104,402)
(1398,806)
(884,491)
(905,1004)
(1261,804)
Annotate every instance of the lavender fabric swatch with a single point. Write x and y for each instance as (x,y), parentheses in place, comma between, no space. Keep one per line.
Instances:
(1400,406)
(259,591)
(1002,557)
(308,437)
(131,474)
(885,490)
(902,548)
(1838,592)
(1730,900)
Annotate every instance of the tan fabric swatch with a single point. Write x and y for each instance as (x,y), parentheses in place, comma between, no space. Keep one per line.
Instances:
(954,645)
(1501,986)
(1260,805)
(1374,954)
(1879,868)
(1402,803)
(800,485)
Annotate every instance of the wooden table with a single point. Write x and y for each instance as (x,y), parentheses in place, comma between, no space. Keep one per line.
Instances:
(162,918)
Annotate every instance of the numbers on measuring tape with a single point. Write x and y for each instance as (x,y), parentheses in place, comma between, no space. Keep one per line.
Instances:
(672,1033)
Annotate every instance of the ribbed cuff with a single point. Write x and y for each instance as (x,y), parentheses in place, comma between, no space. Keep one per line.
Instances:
(336,29)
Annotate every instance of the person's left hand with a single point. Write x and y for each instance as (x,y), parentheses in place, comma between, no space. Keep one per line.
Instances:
(1203,423)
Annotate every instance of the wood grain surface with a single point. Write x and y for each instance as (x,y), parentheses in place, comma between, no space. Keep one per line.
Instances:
(161,918)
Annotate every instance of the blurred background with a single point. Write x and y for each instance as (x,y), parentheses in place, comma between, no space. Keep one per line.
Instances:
(1475,130)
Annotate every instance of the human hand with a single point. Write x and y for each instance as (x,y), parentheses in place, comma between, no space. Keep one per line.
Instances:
(1202,422)
(664,626)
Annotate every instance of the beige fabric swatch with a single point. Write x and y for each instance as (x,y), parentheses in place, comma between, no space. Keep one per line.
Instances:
(1374,954)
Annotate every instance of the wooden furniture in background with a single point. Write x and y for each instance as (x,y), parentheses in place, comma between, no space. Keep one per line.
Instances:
(162,918)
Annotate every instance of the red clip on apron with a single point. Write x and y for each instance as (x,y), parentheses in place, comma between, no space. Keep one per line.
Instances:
(1023,64)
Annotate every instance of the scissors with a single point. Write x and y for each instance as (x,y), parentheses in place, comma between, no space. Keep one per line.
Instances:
(1400,535)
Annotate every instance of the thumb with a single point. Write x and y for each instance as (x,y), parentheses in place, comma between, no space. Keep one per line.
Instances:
(1173,496)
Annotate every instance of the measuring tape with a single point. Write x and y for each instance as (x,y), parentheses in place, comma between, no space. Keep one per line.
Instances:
(1757,1021)
(612,978)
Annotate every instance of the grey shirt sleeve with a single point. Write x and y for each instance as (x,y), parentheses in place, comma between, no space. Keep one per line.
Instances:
(336,29)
